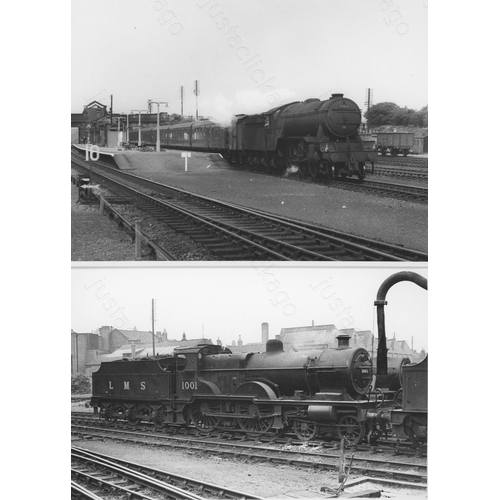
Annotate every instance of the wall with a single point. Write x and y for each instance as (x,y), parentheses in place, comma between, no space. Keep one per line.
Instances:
(115,139)
(79,342)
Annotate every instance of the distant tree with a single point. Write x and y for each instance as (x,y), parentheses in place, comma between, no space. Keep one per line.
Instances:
(382,114)
(80,384)
(423,117)
(406,117)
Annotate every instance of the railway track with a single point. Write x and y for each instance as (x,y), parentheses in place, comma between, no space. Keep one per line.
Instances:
(400,191)
(403,173)
(131,480)
(384,445)
(233,232)
(402,161)
(411,473)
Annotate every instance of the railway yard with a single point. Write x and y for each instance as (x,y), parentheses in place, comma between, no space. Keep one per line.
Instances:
(185,463)
(219,211)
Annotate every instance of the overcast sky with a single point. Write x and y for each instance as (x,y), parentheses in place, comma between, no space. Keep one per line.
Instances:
(226,301)
(248,55)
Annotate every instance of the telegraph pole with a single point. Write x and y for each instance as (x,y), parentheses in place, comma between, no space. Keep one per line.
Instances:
(369,103)
(111,112)
(182,101)
(196,93)
(153,323)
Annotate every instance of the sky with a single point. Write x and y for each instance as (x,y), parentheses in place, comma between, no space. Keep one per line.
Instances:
(248,55)
(226,301)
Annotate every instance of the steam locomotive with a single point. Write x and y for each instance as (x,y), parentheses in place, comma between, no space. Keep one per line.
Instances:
(312,137)
(311,391)
(327,392)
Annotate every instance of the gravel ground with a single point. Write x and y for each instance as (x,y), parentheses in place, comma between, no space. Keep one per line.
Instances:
(263,479)
(94,237)
(97,238)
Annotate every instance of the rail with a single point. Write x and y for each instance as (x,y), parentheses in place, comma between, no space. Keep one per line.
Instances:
(255,235)
(134,230)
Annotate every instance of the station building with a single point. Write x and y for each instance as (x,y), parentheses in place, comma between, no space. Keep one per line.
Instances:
(106,129)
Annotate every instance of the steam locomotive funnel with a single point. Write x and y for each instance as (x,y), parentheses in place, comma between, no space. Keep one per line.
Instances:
(381,302)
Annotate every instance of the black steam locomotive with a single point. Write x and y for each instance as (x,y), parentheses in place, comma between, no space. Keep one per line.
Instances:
(328,392)
(312,137)
(316,391)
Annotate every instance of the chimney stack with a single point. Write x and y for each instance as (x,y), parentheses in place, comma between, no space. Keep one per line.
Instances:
(343,341)
(265,333)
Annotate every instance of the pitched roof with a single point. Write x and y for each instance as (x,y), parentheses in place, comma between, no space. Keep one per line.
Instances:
(95,104)
(137,335)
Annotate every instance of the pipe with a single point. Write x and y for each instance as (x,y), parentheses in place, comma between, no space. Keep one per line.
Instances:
(381,302)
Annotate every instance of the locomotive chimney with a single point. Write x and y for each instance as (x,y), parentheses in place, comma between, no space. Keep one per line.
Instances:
(274,346)
(336,96)
(380,303)
(265,332)
(133,351)
(343,341)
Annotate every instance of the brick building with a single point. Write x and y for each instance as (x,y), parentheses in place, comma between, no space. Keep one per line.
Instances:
(107,343)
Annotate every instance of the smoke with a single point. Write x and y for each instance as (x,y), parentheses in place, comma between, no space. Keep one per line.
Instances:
(222,110)
(253,101)
(292,169)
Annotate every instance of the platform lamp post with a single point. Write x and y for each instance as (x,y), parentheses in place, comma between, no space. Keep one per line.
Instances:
(139,134)
(158,121)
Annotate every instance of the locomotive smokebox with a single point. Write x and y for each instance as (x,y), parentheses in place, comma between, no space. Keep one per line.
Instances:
(274,346)
(334,118)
